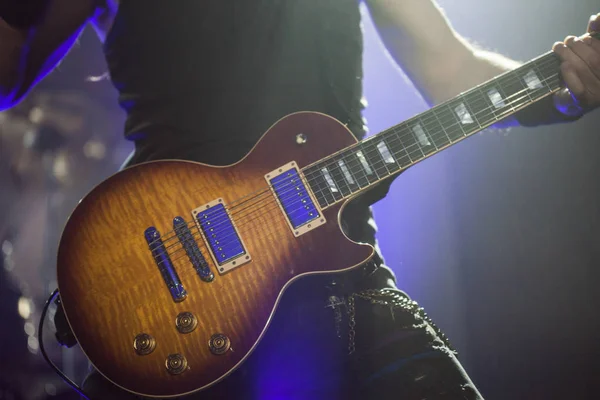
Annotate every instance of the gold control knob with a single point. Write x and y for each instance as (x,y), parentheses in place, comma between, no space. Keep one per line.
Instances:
(219,344)
(176,364)
(186,322)
(144,344)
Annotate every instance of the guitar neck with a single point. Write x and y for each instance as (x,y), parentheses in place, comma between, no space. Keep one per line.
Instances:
(361,166)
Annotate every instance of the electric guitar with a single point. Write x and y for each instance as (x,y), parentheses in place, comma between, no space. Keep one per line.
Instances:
(170,271)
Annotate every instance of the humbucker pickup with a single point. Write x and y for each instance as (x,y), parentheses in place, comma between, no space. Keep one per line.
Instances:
(219,231)
(297,202)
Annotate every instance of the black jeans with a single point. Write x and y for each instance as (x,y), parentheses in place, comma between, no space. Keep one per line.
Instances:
(305,355)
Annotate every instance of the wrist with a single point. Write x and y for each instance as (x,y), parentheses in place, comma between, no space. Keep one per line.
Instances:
(547,112)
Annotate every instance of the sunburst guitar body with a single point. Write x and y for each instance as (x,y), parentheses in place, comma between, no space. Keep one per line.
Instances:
(170,271)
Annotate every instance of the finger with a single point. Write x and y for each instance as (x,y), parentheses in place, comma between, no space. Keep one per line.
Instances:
(570,70)
(594,25)
(593,43)
(587,54)
(583,71)
(573,82)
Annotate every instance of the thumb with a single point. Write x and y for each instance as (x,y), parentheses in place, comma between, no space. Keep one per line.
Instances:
(594,25)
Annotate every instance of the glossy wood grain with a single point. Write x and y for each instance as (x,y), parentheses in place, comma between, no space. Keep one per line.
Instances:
(111,287)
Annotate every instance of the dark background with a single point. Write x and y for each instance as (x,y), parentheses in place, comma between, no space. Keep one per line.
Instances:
(499,237)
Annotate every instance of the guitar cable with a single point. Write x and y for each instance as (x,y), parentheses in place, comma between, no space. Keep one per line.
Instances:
(67,380)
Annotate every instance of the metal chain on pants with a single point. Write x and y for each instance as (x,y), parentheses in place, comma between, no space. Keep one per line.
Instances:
(392,299)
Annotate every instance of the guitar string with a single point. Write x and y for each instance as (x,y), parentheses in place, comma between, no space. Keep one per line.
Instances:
(307,181)
(351,170)
(240,218)
(399,129)
(189,272)
(540,67)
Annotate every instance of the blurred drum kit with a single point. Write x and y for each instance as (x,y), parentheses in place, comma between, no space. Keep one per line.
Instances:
(54,147)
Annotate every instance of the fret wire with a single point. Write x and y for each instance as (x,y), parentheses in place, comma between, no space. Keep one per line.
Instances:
(442,125)
(401,131)
(338,191)
(456,120)
(454,124)
(316,177)
(342,174)
(462,129)
(426,130)
(377,153)
(466,104)
(334,176)
(512,102)
(464,133)
(320,195)
(376,167)
(411,132)
(393,130)
(368,150)
(307,180)
(363,152)
(504,95)
(493,108)
(542,75)
(388,142)
(347,164)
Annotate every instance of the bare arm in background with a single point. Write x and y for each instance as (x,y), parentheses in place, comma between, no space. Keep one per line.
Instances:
(28,55)
(420,39)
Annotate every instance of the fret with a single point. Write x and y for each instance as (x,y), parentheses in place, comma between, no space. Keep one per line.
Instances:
(410,148)
(449,120)
(351,174)
(548,69)
(515,91)
(536,77)
(353,171)
(477,103)
(393,148)
(374,157)
(319,188)
(498,102)
(331,184)
(382,155)
(338,177)
(423,136)
(320,185)
(368,174)
(435,130)
(434,113)
(390,148)
(400,143)
(463,115)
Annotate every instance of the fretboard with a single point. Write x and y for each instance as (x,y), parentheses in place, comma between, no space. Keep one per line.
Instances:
(381,156)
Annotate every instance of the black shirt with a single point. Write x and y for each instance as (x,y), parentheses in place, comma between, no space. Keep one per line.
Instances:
(203,80)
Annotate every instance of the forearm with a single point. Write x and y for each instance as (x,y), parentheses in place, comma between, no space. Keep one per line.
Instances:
(13,45)
(464,67)
(18,19)
(34,42)
(441,63)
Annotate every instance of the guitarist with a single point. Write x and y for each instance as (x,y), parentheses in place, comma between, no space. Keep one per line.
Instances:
(243,65)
